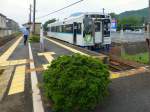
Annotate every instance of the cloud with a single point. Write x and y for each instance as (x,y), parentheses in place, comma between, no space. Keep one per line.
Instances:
(19,9)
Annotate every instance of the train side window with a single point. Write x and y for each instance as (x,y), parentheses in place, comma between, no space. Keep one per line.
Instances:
(57,29)
(60,29)
(63,28)
(52,29)
(67,28)
(79,28)
(49,29)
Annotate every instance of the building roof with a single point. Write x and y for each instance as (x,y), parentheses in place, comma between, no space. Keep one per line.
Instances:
(31,23)
(2,15)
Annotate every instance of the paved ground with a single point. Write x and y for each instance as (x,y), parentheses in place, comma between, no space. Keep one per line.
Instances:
(18,96)
(41,60)
(127,94)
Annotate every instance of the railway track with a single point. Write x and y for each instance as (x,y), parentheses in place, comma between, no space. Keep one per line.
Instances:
(115,64)
(119,64)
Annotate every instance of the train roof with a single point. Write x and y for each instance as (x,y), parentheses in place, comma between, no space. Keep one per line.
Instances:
(86,13)
(78,15)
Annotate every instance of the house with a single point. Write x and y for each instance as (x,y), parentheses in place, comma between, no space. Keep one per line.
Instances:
(37,27)
(2,21)
(12,26)
(3,26)
(7,26)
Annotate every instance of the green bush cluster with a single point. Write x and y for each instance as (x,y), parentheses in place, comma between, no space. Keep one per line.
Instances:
(34,38)
(76,83)
(140,58)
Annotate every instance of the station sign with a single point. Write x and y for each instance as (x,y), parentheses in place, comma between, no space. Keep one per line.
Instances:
(113,24)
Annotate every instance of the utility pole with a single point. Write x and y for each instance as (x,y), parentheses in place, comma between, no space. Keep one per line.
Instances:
(34,9)
(103,11)
(149,19)
(148,32)
(30,13)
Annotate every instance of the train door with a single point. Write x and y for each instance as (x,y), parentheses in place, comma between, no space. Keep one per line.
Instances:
(106,32)
(75,32)
(102,32)
(98,32)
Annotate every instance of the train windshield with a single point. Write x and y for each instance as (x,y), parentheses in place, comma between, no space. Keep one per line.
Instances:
(106,23)
(88,24)
(97,16)
(97,26)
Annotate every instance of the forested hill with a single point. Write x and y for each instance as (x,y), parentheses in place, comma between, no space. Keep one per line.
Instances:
(137,13)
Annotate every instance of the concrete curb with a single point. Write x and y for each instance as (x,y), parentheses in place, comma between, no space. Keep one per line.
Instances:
(36,95)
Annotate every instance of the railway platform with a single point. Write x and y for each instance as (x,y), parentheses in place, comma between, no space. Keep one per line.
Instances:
(129,90)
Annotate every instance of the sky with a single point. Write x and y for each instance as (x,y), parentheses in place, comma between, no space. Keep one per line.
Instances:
(19,9)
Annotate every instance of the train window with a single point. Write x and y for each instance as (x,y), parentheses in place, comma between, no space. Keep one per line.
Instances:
(98,16)
(57,29)
(97,27)
(53,29)
(60,29)
(79,28)
(49,29)
(106,27)
(67,28)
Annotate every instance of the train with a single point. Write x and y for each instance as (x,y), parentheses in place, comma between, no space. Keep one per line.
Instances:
(85,29)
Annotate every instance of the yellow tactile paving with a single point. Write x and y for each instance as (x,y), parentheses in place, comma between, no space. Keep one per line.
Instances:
(114,76)
(127,73)
(6,55)
(14,62)
(18,82)
(48,56)
(45,66)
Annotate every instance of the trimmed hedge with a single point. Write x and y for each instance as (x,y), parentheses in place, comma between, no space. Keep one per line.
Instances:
(76,83)
(34,39)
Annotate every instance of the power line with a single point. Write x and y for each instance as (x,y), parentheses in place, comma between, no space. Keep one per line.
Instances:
(60,9)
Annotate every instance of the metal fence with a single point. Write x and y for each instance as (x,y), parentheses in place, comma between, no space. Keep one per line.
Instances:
(119,37)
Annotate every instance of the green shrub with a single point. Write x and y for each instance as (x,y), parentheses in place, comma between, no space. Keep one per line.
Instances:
(76,83)
(140,58)
(34,38)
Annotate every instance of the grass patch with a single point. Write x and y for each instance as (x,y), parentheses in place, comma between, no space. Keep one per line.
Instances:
(34,39)
(140,58)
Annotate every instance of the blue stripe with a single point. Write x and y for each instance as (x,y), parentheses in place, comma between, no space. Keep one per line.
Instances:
(65,33)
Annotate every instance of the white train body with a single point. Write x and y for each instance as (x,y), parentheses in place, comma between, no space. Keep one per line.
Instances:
(72,30)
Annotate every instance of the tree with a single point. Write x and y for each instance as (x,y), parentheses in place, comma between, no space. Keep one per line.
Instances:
(45,26)
(129,22)
(113,15)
